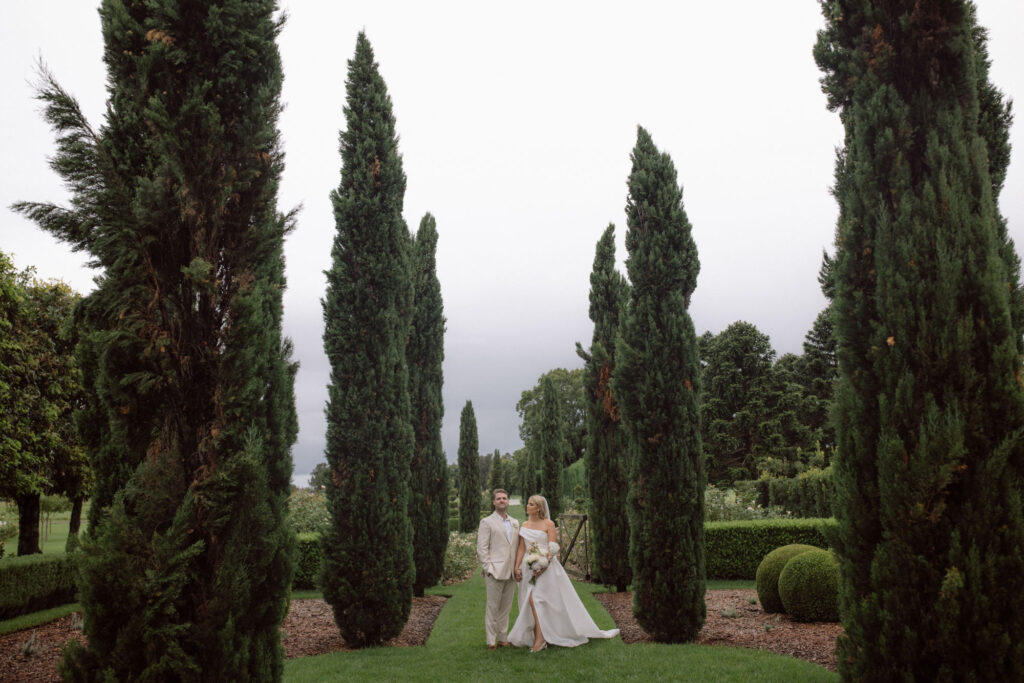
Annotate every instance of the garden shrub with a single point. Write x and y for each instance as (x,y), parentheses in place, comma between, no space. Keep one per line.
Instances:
(809,586)
(459,557)
(307,563)
(33,582)
(768,574)
(307,511)
(809,494)
(733,550)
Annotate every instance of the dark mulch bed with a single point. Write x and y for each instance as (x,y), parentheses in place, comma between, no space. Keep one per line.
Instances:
(309,629)
(750,627)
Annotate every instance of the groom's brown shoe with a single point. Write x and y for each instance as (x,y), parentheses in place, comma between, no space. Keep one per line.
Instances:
(491,647)
(505,644)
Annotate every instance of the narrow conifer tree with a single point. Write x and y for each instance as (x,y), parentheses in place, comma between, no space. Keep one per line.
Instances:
(606,455)
(469,471)
(496,478)
(428,487)
(929,404)
(367,571)
(551,445)
(186,573)
(657,381)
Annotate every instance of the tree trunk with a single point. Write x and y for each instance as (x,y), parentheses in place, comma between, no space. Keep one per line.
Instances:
(28,524)
(75,523)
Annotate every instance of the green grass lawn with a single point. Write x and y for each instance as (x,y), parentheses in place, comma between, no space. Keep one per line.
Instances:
(456,651)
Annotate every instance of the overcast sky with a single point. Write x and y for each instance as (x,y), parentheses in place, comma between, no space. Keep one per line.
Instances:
(516,123)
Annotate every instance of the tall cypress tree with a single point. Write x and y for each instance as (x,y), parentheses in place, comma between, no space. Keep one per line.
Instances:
(368,567)
(929,401)
(428,487)
(186,575)
(551,445)
(657,382)
(469,471)
(496,477)
(606,457)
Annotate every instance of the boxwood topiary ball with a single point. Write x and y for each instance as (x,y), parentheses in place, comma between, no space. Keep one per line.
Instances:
(768,574)
(809,586)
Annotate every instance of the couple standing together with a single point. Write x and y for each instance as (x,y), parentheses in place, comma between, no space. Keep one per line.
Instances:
(549,609)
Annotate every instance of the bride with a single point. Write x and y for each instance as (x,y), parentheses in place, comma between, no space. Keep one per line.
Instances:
(549,609)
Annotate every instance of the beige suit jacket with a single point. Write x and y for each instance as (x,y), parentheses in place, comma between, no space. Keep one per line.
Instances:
(497,554)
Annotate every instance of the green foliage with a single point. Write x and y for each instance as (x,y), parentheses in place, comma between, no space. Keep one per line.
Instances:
(730,505)
(735,549)
(809,494)
(496,478)
(768,571)
(607,461)
(808,586)
(469,465)
(657,382)
(428,482)
(36,582)
(551,445)
(40,387)
(8,525)
(308,560)
(368,568)
(574,487)
(307,511)
(929,402)
(190,410)
(753,407)
(459,558)
(568,386)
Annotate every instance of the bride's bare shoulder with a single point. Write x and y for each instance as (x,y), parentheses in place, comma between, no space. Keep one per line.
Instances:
(548,524)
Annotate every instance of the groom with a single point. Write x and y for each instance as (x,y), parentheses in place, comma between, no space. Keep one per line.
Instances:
(496,542)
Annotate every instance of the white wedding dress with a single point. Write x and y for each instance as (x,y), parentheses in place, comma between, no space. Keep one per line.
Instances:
(563,618)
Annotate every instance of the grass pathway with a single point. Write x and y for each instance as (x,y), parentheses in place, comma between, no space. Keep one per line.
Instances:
(456,651)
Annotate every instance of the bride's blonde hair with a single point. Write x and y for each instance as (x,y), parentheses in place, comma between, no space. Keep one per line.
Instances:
(540,504)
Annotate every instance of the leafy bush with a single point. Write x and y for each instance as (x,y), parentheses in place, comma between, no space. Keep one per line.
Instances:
(730,505)
(8,525)
(809,586)
(768,574)
(307,511)
(459,557)
(733,550)
(34,582)
(809,494)
(307,563)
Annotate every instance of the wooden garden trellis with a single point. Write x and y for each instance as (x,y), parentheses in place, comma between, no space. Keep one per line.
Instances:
(577,563)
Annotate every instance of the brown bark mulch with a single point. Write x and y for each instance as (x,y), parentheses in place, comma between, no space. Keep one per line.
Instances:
(309,629)
(750,627)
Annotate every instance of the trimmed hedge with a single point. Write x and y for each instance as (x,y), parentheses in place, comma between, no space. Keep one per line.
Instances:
(307,561)
(809,586)
(733,550)
(768,574)
(33,582)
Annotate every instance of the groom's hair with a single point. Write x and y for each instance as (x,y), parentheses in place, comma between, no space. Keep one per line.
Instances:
(495,492)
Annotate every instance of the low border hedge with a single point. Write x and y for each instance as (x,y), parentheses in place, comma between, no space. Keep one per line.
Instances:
(33,582)
(733,550)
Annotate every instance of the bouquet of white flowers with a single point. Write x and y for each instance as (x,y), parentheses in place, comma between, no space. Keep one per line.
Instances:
(537,560)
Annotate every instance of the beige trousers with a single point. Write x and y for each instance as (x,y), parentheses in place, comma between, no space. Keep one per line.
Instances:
(499,603)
